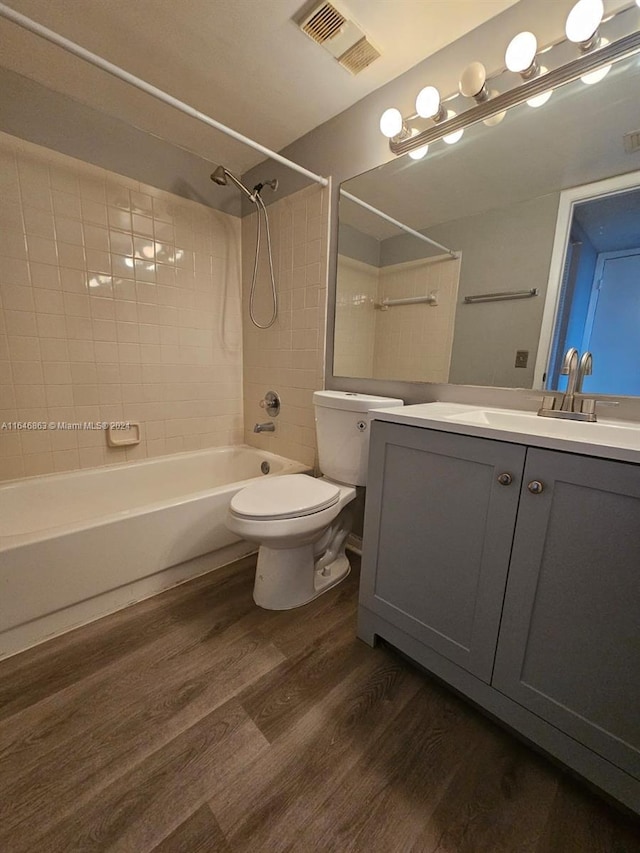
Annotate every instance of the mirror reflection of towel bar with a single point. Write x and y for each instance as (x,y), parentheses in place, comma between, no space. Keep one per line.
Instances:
(498,297)
(432,299)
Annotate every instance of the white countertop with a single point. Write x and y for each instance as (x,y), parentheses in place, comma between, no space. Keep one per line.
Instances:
(608,439)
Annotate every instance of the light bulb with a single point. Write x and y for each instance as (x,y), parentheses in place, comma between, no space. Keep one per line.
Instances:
(539,100)
(472,80)
(601,73)
(391,122)
(521,52)
(583,20)
(417,153)
(428,102)
(596,76)
(452,138)
(494,120)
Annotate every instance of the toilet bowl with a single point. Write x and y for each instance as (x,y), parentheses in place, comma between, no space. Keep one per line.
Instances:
(301,522)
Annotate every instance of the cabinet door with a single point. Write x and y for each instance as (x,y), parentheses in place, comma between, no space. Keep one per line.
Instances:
(569,647)
(437,538)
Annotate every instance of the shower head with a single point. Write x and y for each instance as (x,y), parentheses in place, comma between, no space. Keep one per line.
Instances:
(220,177)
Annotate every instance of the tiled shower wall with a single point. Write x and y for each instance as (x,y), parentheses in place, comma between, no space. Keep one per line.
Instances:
(289,356)
(117,302)
(413,342)
(355,333)
(408,342)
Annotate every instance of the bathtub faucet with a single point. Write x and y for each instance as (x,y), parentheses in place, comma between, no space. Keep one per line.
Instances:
(268,427)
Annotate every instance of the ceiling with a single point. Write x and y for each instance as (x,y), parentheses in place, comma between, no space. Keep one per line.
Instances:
(244,62)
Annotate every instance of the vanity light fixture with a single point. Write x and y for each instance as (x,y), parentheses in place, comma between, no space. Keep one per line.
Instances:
(520,56)
(596,57)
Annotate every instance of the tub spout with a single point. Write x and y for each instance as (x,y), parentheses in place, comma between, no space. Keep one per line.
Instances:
(268,427)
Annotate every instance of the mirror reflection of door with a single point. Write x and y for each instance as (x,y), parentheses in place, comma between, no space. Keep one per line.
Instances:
(599,307)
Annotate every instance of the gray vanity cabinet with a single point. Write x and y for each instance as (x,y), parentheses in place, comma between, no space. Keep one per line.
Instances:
(569,646)
(438,535)
(521,592)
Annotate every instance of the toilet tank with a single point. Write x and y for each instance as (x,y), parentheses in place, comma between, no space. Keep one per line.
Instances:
(342,430)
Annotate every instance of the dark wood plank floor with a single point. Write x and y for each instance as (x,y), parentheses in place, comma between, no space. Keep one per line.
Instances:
(195,722)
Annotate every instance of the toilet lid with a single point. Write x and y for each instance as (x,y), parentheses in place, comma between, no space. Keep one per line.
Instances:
(287,496)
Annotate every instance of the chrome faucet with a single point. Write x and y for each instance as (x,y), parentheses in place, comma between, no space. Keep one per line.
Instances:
(576,369)
(268,427)
(569,368)
(585,368)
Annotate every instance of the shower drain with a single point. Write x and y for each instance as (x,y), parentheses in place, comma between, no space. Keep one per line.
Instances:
(265,467)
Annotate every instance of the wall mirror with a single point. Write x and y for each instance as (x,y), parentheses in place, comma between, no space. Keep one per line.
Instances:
(501,198)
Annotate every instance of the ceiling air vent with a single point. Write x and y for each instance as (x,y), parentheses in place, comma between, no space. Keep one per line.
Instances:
(356,58)
(632,141)
(342,38)
(324,23)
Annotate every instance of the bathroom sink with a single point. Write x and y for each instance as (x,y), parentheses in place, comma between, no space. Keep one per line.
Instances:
(602,431)
(606,437)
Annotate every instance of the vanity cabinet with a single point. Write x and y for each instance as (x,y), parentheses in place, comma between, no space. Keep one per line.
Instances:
(569,647)
(521,591)
(439,529)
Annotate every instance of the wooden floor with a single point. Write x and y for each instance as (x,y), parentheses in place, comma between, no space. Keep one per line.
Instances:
(196,722)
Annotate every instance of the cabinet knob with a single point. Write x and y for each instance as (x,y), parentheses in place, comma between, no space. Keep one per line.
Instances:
(535,487)
(505,479)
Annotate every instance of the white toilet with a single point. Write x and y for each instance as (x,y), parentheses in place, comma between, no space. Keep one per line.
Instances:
(300,522)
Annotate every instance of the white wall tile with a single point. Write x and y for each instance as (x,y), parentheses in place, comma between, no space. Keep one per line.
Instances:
(83,303)
(289,356)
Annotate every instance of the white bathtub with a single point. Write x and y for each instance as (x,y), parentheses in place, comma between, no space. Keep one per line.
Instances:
(76,546)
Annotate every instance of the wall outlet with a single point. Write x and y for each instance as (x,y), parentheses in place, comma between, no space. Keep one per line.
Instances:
(522,357)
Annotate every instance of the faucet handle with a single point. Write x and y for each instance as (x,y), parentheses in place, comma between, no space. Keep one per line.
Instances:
(271,403)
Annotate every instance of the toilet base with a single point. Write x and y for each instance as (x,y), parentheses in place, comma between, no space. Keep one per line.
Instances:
(288,578)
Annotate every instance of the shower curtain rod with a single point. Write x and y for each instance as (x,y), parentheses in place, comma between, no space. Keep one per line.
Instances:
(116,71)
(397,223)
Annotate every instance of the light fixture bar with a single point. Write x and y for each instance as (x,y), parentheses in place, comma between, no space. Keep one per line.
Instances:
(587,63)
(396,222)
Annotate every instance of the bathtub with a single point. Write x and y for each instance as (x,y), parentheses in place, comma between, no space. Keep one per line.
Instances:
(76,546)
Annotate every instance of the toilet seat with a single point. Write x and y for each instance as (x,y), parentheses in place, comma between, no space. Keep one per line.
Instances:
(288,496)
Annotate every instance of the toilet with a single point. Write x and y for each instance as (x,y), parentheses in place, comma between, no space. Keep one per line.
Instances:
(301,523)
